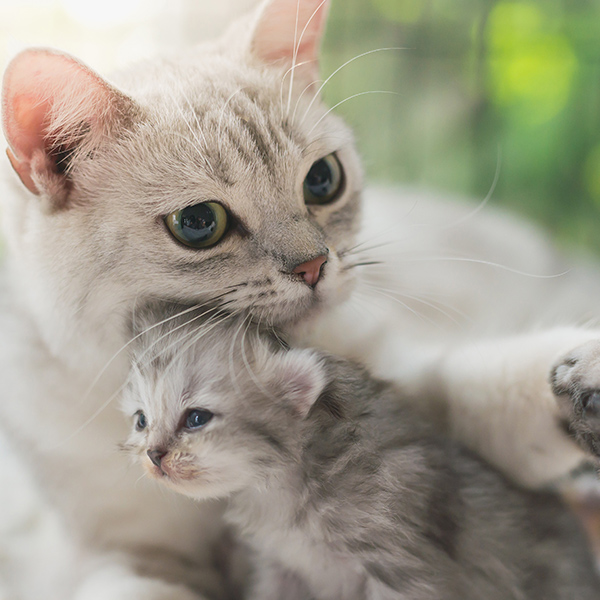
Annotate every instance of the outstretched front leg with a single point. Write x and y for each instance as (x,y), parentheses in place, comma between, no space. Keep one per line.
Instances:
(575,380)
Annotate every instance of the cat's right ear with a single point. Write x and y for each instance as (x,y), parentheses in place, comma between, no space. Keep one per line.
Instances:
(54,109)
(290,32)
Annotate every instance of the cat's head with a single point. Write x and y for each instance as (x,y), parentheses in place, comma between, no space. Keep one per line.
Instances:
(213,412)
(217,177)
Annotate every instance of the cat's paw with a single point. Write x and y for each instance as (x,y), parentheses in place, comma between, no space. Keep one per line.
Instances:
(575,381)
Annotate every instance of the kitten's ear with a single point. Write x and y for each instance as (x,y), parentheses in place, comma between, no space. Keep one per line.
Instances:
(54,107)
(290,31)
(298,377)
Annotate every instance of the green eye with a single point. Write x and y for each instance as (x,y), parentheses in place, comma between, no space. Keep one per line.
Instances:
(198,226)
(324,181)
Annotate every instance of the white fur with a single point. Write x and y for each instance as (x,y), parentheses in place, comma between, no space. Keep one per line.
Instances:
(63,319)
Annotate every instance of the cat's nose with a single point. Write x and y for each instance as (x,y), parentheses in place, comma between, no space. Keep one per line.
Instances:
(311,271)
(156,456)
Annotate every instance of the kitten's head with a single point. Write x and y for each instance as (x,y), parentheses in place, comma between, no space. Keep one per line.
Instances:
(219,177)
(215,412)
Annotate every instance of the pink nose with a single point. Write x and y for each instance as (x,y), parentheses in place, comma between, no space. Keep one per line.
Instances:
(156,456)
(311,270)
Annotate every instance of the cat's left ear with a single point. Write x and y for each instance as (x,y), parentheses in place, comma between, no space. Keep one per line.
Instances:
(298,378)
(290,32)
(53,108)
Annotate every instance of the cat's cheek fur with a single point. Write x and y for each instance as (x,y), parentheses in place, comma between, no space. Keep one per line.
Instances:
(208,473)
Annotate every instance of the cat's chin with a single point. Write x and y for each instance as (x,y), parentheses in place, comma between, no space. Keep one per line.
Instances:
(306,312)
(197,488)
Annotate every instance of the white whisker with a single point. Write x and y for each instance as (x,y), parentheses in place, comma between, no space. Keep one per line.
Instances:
(249,367)
(481,262)
(127,344)
(406,306)
(306,88)
(222,114)
(338,70)
(351,98)
(194,134)
(420,299)
(485,201)
(297,45)
(197,334)
(294,56)
(205,159)
(231,352)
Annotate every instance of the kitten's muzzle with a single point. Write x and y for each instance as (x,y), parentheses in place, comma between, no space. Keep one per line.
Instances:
(156,456)
(311,271)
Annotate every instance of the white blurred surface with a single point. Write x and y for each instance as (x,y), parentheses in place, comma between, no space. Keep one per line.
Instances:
(113,33)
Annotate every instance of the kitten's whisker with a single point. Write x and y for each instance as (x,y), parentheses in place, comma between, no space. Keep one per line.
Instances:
(142,476)
(389,93)
(90,419)
(348,62)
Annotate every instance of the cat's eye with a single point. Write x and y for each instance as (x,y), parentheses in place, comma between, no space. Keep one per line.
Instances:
(141,422)
(197,418)
(198,226)
(324,181)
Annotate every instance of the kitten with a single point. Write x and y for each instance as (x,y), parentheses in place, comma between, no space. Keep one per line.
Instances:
(339,486)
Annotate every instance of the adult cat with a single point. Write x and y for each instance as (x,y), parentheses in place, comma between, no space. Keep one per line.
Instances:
(235,123)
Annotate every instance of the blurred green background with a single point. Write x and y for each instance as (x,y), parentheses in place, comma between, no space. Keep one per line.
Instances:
(478,78)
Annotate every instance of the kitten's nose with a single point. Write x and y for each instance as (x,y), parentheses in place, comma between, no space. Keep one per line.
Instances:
(156,456)
(311,270)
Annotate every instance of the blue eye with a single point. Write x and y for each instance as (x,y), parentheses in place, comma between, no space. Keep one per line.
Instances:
(141,422)
(198,226)
(197,418)
(324,181)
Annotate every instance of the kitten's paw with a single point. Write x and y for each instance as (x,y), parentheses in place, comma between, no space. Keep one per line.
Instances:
(575,381)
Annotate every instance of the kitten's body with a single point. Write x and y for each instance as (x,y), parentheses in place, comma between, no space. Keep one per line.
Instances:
(339,484)
(85,245)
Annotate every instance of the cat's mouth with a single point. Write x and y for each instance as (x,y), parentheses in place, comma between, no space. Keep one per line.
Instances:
(174,468)
(290,299)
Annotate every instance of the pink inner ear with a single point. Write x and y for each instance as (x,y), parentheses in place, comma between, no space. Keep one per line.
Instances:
(47,98)
(285,22)
(303,379)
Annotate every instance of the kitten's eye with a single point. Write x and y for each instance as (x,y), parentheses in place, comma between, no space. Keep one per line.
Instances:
(198,226)
(141,422)
(324,181)
(197,418)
